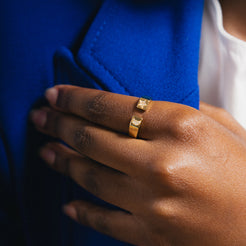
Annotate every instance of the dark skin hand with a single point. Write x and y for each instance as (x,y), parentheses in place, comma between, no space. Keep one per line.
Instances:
(182,182)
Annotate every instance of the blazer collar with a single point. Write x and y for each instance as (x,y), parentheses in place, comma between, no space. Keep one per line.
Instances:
(147,49)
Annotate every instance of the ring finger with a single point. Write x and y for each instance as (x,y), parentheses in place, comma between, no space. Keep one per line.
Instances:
(128,155)
(106,183)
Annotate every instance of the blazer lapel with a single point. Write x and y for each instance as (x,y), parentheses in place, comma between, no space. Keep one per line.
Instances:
(142,48)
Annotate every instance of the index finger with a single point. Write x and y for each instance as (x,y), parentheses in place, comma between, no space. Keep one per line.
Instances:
(107,109)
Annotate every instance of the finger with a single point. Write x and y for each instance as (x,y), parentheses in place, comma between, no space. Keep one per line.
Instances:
(104,108)
(106,183)
(116,224)
(128,155)
(224,118)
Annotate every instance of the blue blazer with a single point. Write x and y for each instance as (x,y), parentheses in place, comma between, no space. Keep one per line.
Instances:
(125,46)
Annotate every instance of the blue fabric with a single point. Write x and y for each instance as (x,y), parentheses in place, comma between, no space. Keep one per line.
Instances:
(130,47)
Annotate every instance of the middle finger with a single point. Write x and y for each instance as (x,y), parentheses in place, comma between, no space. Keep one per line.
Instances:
(125,154)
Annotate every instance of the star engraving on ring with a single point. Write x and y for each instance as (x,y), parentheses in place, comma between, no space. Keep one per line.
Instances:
(136,121)
(143,103)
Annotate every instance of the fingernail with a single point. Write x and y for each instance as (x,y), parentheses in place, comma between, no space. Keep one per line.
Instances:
(70,211)
(51,95)
(39,117)
(48,155)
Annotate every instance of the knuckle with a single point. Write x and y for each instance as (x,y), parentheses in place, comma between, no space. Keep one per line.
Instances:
(63,163)
(83,218)
(54,123)
(97,107)
(186,126)
(169,211)
(165,208)
(90,181)
(101,224)
(160,172)
(182,179)
(169,171)
(82,139)
(66,166)
(64,99)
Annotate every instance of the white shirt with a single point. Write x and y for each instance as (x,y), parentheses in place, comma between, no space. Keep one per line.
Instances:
(222,69)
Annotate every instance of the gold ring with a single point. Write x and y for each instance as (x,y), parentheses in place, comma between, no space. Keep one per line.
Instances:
(143,103)
(134,126)
(136,121)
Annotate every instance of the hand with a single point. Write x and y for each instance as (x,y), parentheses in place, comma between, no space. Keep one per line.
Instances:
(182,182)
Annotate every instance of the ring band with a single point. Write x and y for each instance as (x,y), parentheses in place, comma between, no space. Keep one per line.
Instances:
(136,121)
(134,126)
